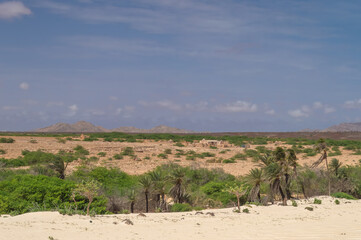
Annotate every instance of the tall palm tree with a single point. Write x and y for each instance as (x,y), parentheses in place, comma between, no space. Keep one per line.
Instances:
(322,148)
(289,166)
(177,178)
(146,184)
(275,177)
(159,179)
(255,178)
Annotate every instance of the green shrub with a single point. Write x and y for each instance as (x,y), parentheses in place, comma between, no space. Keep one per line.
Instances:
(163,156)
(309,208)
(168,151)
(215,191)
(25,193)
(343,195)
(128,151)
(179,144)
(61,140)
(2,151)
(231,160)
(102,154)
(213,147)
(118,156)
(317,201)
(245,210)
(337,202)
(181,207)
(7,140)
(294,203)
(240,156)
(80,150)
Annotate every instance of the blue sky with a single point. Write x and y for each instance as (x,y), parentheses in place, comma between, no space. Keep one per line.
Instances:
(254,65)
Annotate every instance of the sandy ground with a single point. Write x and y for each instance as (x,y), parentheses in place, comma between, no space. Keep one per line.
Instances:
(327,221)
(147,154)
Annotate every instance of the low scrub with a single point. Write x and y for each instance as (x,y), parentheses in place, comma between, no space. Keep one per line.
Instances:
(7,140)
(343,195)
(181,207)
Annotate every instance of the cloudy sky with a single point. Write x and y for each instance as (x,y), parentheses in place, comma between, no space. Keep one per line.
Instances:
(255,65)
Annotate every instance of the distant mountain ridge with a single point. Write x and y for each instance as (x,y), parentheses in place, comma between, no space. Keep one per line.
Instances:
(87,127)
(344,127)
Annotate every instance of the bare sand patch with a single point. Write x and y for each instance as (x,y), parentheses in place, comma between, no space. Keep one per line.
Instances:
(327,221)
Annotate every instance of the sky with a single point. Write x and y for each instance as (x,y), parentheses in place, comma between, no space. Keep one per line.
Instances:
(252,65)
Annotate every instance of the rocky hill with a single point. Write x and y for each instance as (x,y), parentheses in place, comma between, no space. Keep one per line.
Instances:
(80,126)
(84,127)
(344,127)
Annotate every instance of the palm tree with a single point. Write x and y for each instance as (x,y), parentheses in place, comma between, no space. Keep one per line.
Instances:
(335,165)
(131,198)
(146,184)
(159,179)
(275,177)
(254,178)
(289,165)
(321,147)
(266,159)
(177,178)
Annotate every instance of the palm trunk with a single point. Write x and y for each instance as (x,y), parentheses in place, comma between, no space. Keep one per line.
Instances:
(132,207)
(284,197)
(328,175)
(238,203)
(146,202)
(288,192)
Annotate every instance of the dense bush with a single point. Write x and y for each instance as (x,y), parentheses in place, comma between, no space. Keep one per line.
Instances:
(21,193)
(181,207)
(7,140)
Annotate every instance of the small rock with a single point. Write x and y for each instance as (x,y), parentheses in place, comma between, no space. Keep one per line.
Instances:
(115,223)
(198,224)
(198,213)
(91,221)
(141,215)
(128,222)
(210,213)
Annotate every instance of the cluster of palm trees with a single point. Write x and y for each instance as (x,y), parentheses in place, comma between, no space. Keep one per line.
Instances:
(159,183)
(279,167)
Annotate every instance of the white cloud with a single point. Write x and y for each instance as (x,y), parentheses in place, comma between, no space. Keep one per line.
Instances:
(298,113)
(317,105)
(270,112)
(306,111)
(353,104)
(167,104)
(73,109)
(118,111)
(24,86)
(13,9)
(329,110)
(239,106)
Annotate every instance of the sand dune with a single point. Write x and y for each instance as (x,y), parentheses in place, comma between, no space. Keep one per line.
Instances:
(327,221)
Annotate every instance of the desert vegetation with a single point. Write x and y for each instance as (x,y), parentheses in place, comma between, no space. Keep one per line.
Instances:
(39,180)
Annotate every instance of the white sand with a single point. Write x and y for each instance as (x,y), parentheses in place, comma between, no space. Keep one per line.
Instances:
(327,221)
